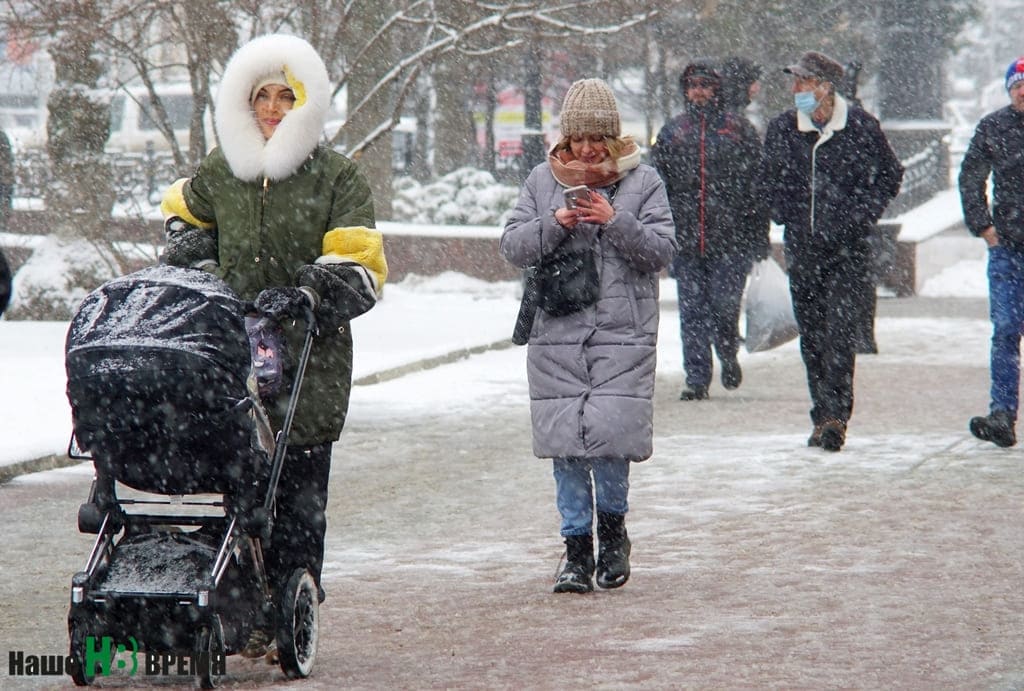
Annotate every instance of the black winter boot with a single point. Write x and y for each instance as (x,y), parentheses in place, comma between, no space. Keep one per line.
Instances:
(996,427)
(732,374)
(613,550)
(833,435)
(578,574)
(815,438)
(697,393)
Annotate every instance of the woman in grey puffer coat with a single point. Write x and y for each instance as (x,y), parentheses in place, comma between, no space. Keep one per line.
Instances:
(591,373)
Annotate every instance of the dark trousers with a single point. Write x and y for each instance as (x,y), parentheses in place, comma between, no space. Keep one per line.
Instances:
(710,291)
(825,303)
(300,522)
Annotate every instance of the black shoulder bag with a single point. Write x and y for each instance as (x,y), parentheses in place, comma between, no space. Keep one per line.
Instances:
(564,282)
(567,280)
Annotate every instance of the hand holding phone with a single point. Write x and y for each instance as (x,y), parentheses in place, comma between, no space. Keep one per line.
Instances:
(573,194)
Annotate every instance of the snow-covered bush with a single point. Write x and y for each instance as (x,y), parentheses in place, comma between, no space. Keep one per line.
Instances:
(58,275)
(466,196)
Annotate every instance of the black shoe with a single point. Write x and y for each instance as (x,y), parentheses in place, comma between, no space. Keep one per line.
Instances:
(577,575)
(732,375)
(613,549)
(697,393)
(815,439)
(833,435)
(998,428)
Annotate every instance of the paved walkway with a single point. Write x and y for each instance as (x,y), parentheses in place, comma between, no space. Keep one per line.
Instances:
(758,563)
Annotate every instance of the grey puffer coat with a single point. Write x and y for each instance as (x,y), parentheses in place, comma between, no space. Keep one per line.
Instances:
(591,373)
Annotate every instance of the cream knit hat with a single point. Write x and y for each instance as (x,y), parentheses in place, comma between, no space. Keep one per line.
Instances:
(275,78)
(589,108)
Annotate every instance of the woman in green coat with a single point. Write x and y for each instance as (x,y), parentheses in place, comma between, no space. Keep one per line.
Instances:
(286,221)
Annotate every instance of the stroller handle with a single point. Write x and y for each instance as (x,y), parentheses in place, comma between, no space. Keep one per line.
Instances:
(281,442)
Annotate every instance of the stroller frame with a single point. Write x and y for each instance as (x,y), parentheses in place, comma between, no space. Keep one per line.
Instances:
(187,596)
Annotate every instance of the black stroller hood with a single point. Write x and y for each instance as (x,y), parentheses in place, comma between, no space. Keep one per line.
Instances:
(157,364)
(165,307)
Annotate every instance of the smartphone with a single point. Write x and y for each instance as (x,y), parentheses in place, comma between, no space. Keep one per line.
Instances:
(574,193)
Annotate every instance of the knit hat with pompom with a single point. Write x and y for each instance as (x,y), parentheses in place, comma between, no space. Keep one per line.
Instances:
(589,108)
(1014,73)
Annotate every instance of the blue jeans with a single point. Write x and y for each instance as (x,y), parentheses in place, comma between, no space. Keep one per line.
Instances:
(1006,308)
(710,291)
(575,490)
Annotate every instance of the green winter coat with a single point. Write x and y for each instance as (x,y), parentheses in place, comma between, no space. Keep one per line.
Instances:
(266,230)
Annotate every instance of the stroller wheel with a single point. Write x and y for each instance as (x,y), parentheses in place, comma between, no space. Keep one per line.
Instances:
(298,621)
(210,649)
(90,518)
(76,662)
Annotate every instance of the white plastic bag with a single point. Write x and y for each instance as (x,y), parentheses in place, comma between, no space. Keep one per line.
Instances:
(769,308)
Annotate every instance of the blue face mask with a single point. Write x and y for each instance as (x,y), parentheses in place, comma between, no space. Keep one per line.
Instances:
(806,102)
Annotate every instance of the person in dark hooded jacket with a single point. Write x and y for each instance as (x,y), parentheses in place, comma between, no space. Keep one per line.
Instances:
(709,158)
(740,83)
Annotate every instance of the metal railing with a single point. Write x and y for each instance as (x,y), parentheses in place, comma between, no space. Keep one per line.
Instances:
(138,178)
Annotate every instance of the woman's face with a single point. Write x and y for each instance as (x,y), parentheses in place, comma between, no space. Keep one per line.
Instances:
(588,148)
(271,103)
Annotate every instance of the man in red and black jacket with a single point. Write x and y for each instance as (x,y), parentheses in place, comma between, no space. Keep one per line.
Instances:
(709,158)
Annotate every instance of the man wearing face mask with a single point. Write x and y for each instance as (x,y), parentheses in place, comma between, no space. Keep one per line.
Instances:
(829,174)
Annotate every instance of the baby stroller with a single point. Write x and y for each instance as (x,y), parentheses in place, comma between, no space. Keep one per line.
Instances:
(165,402)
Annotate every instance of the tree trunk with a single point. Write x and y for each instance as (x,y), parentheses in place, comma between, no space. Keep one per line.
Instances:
(912,55)
(490,106)
(81,196)
(420,167)
(454,140)
(375,160)
(533,114)
(79,255)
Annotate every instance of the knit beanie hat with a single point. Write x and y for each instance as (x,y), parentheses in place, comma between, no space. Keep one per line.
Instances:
(1014,73)
(589,108)
(274,78)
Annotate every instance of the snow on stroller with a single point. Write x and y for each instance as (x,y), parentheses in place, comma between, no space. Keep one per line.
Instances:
(164,401)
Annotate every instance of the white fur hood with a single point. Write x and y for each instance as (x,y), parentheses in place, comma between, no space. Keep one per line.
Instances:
(249,155)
